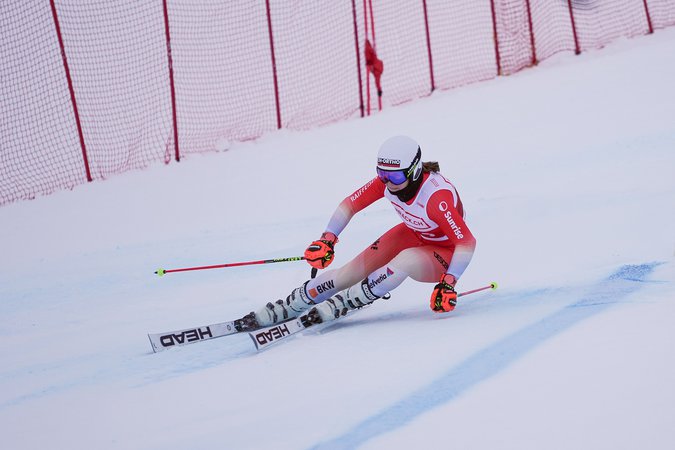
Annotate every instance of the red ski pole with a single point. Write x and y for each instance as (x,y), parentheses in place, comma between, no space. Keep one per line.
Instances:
(492,286)
(161,272)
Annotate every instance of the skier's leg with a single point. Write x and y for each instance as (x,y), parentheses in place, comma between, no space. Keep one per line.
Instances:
(330,282)
(378,254)
(423,263)
(374,286)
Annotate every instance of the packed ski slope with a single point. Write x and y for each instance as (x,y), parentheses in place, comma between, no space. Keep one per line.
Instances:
(566,171)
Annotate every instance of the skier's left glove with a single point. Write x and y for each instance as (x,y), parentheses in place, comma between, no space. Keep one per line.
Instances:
(320,253)
(444,297)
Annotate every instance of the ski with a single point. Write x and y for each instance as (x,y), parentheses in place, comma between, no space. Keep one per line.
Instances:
(178,338)
(264,337)
(170,339)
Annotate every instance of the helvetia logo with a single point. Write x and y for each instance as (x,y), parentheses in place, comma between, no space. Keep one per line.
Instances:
(196,334)
(381,278)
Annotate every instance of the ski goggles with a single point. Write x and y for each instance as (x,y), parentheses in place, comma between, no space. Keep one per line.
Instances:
(394,176)
(399,176)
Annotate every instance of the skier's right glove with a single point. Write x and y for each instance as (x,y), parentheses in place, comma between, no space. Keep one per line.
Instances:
(320,253)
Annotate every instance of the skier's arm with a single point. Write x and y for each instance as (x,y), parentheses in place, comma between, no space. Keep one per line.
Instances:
(319,254)
(442,209)
(360,199)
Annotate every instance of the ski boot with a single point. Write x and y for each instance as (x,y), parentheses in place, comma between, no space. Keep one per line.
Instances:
(355,297)
(280,311)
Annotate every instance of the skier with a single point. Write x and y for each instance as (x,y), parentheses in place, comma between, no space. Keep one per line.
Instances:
(433,244)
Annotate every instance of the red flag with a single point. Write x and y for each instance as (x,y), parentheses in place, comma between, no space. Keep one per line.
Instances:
(374,65)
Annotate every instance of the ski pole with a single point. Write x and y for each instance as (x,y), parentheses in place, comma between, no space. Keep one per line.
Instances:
(492,286)
(161,272)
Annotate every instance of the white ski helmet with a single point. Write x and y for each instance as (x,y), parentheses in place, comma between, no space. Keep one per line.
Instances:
(400,153)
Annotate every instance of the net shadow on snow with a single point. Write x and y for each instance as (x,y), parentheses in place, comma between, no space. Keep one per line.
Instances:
(493,359)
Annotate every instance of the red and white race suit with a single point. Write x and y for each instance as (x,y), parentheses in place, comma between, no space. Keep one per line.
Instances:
(433,239)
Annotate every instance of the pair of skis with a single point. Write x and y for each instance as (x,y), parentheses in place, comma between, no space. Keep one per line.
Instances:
(262,337)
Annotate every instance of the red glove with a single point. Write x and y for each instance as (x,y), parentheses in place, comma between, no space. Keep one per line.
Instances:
(444,297)
(320,253)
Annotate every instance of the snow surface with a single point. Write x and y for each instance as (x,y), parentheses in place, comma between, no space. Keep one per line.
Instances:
(566,171)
